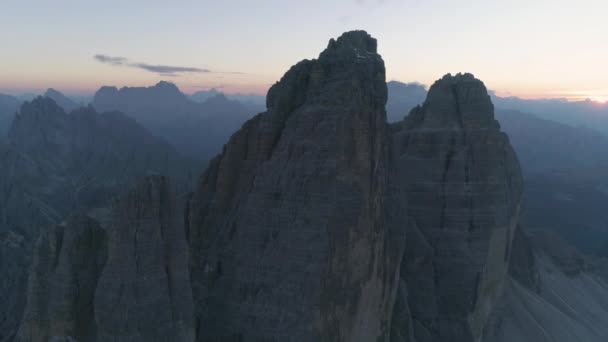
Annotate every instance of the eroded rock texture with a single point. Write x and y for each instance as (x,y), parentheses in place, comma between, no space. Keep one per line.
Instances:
(67,263)
(464,187)
(144,292)
(127,281)
(289,228)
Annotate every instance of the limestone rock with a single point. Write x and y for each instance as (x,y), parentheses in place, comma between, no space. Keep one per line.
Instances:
(143,293)
(291,235)
(522,264)
(67,263)
(464,187)
(127,281)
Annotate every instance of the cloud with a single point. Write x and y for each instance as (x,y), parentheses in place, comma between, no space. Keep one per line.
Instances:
(163,70)
(111,60)
(167,69)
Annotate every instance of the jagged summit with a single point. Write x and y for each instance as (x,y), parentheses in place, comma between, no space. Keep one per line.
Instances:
(298,193)
(354,40)
(348,72)
(63,101)
(455,102)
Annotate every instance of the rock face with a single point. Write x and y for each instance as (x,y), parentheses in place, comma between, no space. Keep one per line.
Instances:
(144,293)
(464,186)
(127,281)
(67,263)
(56,164)
(291,235)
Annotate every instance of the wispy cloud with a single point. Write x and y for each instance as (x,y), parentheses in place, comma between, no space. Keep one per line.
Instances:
(111,60)
(163,70)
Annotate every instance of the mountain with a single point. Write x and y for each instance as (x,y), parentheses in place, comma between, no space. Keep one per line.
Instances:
(204,95)
(196,129)
(8,107)
(291,216)
(464,186)
(575,113)
(402,97)
(63,101)
(248,99)
(57,163)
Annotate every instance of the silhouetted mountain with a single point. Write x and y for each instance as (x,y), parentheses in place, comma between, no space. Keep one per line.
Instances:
(196,129)
(57,163)
(203,95)
(63,101)
(402,97)
(8,107)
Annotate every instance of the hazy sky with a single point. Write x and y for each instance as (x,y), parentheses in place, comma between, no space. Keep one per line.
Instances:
(532,48)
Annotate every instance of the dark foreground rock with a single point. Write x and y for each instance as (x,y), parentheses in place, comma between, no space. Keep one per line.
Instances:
(290,230)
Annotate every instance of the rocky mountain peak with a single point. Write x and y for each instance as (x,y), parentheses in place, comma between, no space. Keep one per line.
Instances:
(168,87)
(63,101)
(354,41)
(456,102)
(267,198)
(40,122)
(350,62)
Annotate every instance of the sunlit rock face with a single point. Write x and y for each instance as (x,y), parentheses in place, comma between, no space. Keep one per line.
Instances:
(290,227)
(464,185)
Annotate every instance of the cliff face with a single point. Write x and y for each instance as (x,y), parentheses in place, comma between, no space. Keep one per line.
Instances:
(143,293)
(127,281)
(464,186)
(289,227)
(67,263)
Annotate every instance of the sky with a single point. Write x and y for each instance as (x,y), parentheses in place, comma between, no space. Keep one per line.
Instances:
(530,49)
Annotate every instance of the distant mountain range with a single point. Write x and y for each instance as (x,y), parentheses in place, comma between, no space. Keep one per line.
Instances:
(587,113)
(249,99)
(198,129)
